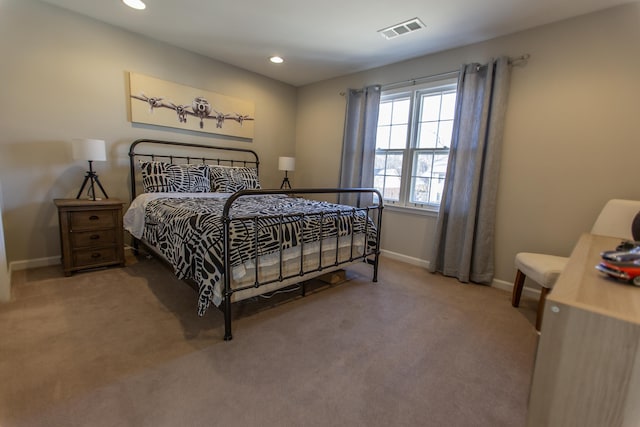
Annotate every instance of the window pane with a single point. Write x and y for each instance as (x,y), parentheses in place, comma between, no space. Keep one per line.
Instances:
(448,106)
(382,137)
(437,188)
(384,114)
(394,165)
(430,108)
(428,137)
(420,190)
(388,170)
(398,136)
(439,168)
(422,165)
(392,181)
(444,133)
(401,111)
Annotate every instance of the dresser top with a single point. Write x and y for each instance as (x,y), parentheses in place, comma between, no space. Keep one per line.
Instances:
(581,285)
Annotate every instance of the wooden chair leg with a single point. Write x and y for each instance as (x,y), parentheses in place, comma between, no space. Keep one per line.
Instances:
(518,284)
(541,302)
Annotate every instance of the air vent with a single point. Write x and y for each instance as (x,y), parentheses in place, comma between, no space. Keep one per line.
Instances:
(402,28)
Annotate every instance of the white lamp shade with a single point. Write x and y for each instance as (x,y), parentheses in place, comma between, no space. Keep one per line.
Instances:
(89,149)
(287,163)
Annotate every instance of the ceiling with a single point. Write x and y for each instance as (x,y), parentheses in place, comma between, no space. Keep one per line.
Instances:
(324,39)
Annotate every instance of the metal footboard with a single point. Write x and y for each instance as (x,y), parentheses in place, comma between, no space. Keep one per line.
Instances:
(370,252)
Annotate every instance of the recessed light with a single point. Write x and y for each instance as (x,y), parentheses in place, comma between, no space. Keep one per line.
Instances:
(135,4)
(276,60)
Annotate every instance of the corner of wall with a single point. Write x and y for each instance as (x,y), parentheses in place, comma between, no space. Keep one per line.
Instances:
(5,273)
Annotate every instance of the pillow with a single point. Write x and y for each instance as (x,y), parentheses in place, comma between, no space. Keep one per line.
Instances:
(226,179)
(246,178)
(160,177)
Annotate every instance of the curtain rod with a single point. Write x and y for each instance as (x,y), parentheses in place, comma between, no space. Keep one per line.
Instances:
(512,61)
(420,79)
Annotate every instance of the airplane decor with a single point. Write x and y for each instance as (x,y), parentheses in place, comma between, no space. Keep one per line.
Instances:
(152,101)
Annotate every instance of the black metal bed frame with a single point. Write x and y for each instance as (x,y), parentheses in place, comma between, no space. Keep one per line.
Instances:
(371,256)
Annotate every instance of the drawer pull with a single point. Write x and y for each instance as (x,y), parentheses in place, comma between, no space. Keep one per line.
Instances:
(96,255)
(94,237)
(94,217)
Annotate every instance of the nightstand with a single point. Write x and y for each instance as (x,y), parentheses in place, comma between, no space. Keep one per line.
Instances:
(91,233)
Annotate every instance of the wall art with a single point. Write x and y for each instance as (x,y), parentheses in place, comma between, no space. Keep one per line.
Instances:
(159,102)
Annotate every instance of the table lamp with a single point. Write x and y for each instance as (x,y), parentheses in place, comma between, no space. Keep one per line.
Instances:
(286,164)
(92,150)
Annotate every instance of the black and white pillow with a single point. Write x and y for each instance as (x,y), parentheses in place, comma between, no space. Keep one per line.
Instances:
(245,178)
(226,179)
(161,177)
(221,179)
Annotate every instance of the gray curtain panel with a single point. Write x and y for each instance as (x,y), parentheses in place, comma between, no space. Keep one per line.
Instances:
(359,143)
(464,239)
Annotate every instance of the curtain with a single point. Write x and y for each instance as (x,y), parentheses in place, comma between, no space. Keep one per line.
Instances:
(464,239)
(359,143)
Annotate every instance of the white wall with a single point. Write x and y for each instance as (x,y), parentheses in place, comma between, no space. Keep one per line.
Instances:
(571,140)
(64,76)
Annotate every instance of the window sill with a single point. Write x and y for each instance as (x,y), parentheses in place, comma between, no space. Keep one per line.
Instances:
(413,211)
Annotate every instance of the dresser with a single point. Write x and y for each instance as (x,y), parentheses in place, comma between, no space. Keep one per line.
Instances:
(587,369)
(91,233)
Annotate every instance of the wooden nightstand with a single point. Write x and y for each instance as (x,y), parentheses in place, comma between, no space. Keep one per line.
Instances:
(91,233)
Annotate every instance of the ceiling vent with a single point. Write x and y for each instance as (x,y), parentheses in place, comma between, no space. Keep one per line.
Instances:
(402,28)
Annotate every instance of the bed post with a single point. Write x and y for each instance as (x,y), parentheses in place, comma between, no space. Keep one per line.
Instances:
(376,258)
(227,278)
(227,318)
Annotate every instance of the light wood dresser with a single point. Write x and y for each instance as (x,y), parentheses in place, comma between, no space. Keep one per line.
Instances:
(587,370)
(91,233)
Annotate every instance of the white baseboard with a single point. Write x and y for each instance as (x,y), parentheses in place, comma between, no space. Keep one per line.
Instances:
(497,283)
(33,263)
(404,258)
(508,286)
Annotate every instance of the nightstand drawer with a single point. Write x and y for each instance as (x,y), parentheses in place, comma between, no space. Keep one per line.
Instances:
(91,257)
(93,238)
(92,219)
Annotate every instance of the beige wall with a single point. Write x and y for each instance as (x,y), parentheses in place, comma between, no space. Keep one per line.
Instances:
(572,137)
(64,76)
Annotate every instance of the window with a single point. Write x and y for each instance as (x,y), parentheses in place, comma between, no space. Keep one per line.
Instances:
(412,144)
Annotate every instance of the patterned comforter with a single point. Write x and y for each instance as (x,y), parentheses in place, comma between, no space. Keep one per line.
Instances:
(188,232)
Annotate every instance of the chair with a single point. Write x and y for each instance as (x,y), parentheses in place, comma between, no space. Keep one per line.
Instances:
(614,220)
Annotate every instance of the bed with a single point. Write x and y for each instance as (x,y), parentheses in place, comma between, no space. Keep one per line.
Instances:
(202,210)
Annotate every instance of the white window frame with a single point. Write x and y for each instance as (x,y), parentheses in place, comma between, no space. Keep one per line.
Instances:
(414,93)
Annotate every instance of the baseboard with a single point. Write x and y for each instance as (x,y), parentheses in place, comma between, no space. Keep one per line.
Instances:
(404,258)
(33,263)
(497,283)
(508,286)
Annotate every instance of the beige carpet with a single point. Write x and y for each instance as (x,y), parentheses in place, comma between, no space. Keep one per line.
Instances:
(124,347)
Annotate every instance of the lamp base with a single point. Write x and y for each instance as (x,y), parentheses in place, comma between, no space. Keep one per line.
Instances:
(91,178)
(285,184)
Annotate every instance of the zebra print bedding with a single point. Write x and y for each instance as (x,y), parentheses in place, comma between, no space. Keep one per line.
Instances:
(189,232)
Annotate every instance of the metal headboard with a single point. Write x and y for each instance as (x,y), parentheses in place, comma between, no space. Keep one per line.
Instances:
(224,157)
